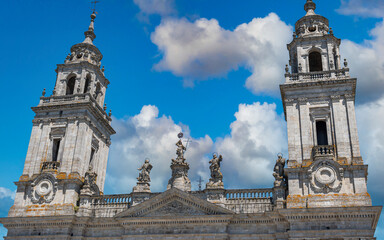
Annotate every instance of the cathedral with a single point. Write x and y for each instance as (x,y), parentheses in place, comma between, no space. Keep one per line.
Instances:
(319,193)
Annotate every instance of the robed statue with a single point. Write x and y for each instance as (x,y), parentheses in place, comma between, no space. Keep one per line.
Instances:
(216,175)
(145,171)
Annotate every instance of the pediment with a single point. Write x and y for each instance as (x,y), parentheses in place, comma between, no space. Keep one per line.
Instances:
(174,202)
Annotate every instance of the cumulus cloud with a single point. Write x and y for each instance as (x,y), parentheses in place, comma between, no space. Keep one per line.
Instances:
(6,193)
(363,8)
(257,136)
(202,49)
(146,135)
(367,64)
(157,7)
(371,135)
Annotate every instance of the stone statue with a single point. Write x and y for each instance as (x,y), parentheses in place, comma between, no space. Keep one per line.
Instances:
(90,187)
(145,170)
(179,152)
(278,171)
(216,180)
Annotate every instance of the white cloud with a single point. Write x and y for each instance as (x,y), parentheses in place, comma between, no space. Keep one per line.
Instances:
(367,64)
(363,8)
(371,135)
(6,193)
(146,135)
(257,135)
(158,7)
(249,152)
(203,49)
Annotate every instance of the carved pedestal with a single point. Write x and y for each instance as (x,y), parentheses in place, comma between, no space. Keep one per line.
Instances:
(179,177)
(141,187)
(212,184)
(279,198)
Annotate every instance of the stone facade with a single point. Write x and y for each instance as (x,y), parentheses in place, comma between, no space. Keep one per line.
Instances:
(319,193)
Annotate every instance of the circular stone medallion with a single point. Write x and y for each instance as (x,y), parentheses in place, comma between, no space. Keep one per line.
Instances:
(325,175)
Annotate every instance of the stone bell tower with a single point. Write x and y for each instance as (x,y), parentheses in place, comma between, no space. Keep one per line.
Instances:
(325,168)
(70,137)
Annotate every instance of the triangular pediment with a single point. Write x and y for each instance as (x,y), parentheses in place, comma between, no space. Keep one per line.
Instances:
(174,202)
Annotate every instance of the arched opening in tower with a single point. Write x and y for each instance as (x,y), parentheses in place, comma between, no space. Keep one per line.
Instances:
(321,132)
(315,64)
(70,86)
(87,81)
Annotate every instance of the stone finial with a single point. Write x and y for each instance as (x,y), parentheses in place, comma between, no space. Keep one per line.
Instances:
(105,107)
(90,35)
(331,31)
(286,68)
(310,7)
(43,93)
(345,63)
(110,113)
(216,180)
(103,69)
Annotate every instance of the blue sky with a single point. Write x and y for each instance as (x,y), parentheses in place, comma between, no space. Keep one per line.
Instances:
(207,84)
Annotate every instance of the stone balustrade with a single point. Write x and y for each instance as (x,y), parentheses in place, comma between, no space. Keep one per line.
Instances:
(313,76)
(111,200)
(47,166)
(248,193)
(323,151)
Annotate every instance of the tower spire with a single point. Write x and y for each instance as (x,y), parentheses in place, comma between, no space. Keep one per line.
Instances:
(310,7)
(90,35)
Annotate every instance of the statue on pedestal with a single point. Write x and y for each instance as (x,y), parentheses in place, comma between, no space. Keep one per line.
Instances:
(144,178)
(145,171)
(216,180)
(180,169)
(90,187)
(180,153)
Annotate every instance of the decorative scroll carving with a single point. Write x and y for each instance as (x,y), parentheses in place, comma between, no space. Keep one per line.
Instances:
(44,189)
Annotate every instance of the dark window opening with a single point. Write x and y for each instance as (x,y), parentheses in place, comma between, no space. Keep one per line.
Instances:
(315,64)
(86,86)
(92,156)
(55,149)
(70,86)
(321,131)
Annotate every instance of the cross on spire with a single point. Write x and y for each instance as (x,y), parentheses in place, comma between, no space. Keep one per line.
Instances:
(94,5)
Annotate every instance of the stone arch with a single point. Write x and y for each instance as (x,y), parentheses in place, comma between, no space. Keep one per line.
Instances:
(88,80)
(315,60)
(71,82)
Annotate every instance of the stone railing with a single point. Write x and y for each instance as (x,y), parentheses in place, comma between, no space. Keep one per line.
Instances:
(111,200)
(47,166)
(81,97)
(313,76)
(249,200)
(248,193)
(323,151)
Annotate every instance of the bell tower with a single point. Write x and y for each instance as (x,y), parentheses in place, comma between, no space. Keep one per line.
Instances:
(70,137)
(325,168)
